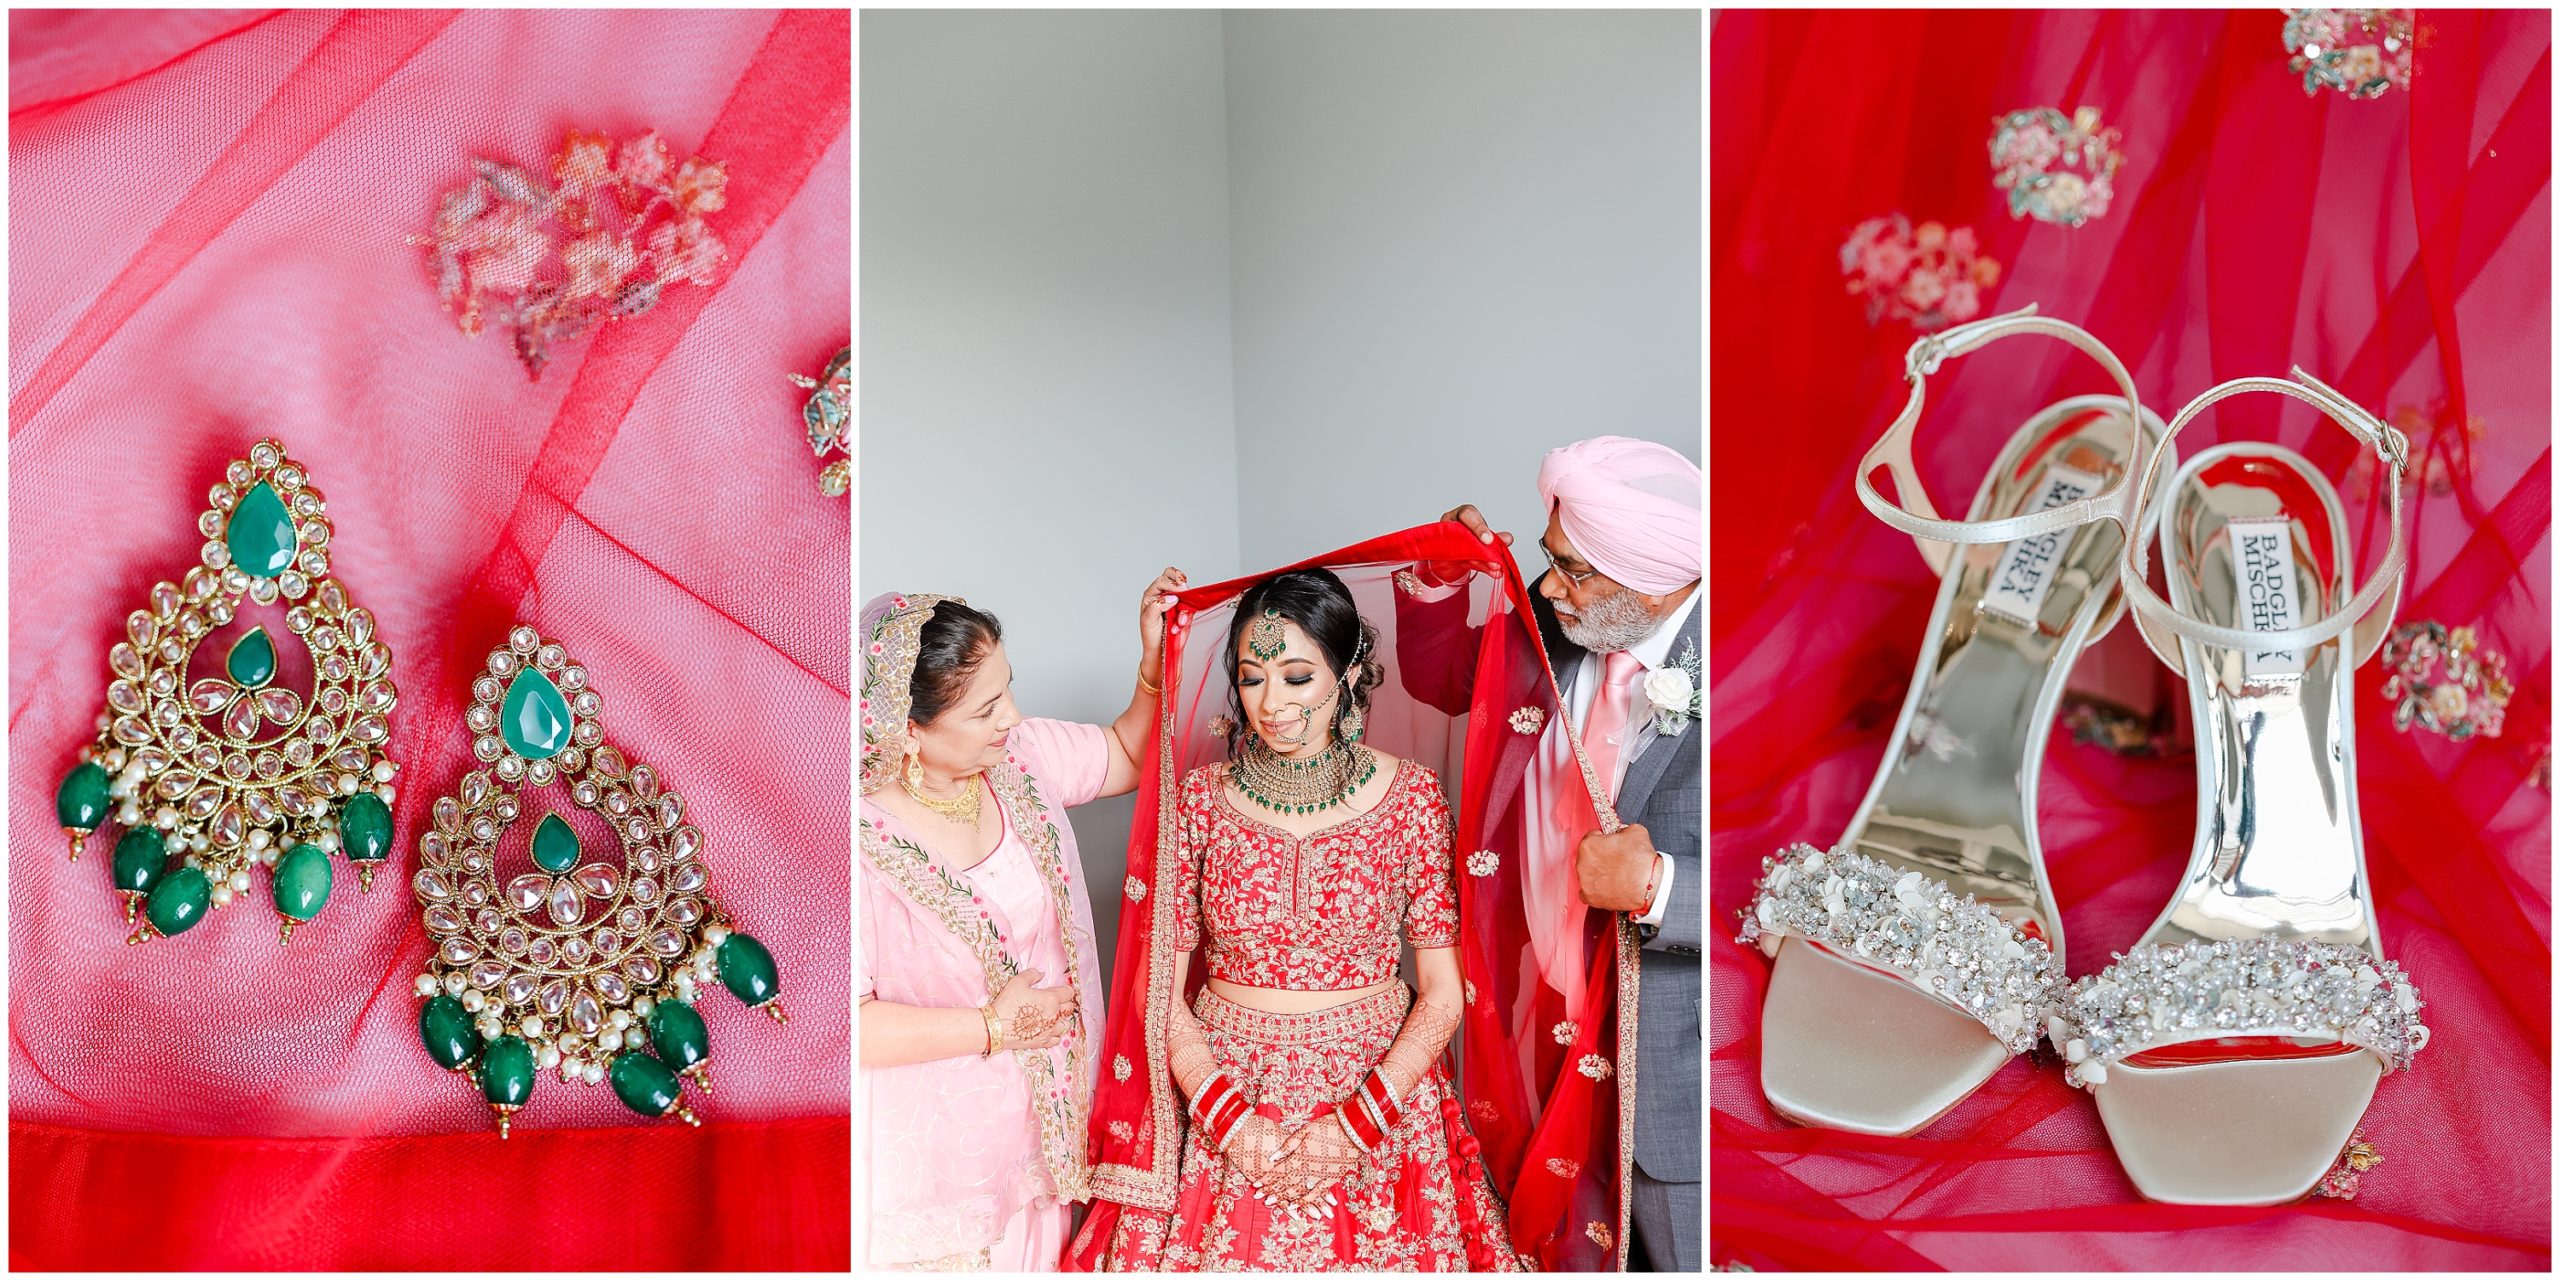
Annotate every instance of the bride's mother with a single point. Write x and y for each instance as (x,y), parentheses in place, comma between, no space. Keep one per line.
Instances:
(975,965)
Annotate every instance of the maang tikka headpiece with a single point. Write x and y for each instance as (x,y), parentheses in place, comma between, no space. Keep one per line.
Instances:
(211,766)
(574,963)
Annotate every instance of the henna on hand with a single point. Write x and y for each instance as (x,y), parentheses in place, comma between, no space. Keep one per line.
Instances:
(1417,1046)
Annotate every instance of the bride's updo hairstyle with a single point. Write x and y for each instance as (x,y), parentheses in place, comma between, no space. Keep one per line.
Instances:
(1322,608)
(950,647)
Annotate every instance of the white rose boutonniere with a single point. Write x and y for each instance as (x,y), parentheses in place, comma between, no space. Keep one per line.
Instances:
(1671,693)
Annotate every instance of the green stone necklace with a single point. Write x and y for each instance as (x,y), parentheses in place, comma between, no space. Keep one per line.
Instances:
(1312,786)
(579,964)
(213,772)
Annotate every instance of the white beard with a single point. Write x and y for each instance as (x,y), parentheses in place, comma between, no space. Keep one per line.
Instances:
(1612,625)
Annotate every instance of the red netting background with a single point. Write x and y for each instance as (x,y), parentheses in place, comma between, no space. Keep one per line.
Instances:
(209,223)
(2397,247)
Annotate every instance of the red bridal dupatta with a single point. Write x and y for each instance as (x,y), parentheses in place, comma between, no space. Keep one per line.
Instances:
(1545,1072)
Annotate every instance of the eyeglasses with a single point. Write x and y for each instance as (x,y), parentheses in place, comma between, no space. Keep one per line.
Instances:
(1569,576)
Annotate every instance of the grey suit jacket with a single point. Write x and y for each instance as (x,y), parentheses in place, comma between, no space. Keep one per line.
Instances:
(1663,790)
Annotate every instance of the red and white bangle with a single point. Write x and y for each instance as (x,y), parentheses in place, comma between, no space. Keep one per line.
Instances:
(1218,1107)
(1380,1097)
(1361,1121)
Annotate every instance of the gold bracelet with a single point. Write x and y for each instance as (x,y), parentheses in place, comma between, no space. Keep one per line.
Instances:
(1152,690)
(995,1029)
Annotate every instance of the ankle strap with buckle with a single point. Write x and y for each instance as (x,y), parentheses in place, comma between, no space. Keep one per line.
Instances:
(2154,616)
(1910,509)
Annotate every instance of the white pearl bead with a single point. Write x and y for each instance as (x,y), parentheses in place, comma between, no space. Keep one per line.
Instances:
(269,855)
(532,1025)
(240,881)
(620,1019)
(571,1042)
(473,1001)
(382,771)
(490,1028)
(426,985)
(259,838)
(595,1074)
(568,1073)
(642,1006)
(549,1058)
(454,983)
(329,841)
(610,1041)
(715,934)
(222,896)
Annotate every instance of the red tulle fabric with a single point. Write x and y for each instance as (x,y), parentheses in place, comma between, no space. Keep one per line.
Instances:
(209,241)
(2397,248)
(1466,689)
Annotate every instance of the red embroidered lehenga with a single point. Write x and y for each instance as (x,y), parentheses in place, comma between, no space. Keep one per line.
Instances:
(1511,1161)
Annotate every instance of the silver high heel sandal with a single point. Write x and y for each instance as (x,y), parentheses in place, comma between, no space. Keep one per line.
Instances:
(2235,1047)
(1920,951)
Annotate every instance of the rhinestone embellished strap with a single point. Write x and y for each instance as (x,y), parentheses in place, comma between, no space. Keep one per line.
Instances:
(1953,948)
(2164,995)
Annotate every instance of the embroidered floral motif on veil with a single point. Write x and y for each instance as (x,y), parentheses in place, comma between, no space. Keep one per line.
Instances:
(828,411)
(2056,168)
(623,224)
(1928,275)
(2441,679)
(2358,52)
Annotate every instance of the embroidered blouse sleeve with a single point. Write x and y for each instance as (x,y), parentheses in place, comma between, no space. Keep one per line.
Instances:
(1189,825)
(1431,888)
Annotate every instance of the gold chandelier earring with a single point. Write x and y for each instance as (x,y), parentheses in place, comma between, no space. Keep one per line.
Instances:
(214,765)
(578,965)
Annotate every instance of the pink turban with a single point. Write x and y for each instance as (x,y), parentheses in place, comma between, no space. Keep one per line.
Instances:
(1631,508)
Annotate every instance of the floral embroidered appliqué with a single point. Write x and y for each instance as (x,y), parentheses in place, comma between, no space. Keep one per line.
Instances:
(2056,168)
(826,413)
(1594,1066)
(1136,890)
(1564,1032)
(1928,275)
(1483,863)
(1528,720)
(2345,1176)
(2359,52)
(623,225)
(1120,1069)
(2442,680)
(1600,1234)
(2440,450)
(1563,1167)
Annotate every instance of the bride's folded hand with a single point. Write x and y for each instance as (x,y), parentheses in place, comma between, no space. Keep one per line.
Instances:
(1320,1156)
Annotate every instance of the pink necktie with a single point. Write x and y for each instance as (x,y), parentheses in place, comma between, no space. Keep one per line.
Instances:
(1608,731)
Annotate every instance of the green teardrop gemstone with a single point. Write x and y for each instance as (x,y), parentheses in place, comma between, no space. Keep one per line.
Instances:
(446,1028)
(677,1033)
(253,659)
(81,802)
(179,901)
(260,534)
(747,968)
(140,858)
(302,882)
(644,1084)
(555,845)
(364,828)
(506,1073)
(534,718)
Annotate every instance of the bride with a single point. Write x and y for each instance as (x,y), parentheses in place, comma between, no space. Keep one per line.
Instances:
(1318,1129)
